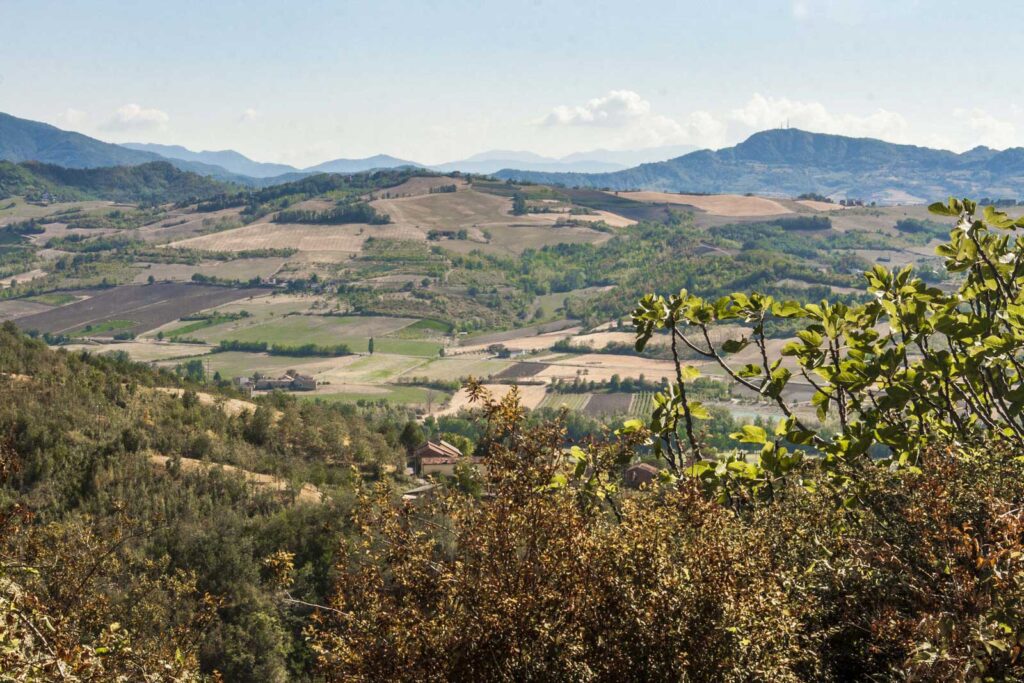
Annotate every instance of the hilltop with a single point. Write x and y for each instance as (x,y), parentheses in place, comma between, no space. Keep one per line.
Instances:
(790,162)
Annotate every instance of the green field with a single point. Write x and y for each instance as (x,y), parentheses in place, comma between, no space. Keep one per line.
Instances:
(238,364)
(424,329)
(196,325)
(354,331)
(378,368)
(53,299)
(433,325)
(104,327)
(402,347)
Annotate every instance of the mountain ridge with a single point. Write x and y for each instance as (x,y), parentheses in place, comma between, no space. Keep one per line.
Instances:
(789,162)
(228,159)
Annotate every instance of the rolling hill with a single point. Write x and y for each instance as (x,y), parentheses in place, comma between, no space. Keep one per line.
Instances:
(788,162)
(154,181)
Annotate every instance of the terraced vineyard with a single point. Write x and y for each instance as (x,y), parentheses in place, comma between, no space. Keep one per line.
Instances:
(576,402)
(642,404)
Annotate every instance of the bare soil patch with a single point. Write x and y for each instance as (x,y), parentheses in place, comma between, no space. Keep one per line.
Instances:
(19,308)
(520,370)
(609,404)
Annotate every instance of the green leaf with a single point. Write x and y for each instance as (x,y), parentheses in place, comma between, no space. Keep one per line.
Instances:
(735,345)
(749,370)
(631,427)
(750,434)
(698,411)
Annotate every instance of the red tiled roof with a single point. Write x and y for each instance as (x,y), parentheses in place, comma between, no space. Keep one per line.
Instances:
(434,449)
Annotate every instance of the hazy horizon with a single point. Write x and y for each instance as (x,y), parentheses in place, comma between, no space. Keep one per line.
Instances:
(319,80)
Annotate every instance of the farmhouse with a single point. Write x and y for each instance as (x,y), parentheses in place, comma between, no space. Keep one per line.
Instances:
(290,381)
(639,474)
(440,458)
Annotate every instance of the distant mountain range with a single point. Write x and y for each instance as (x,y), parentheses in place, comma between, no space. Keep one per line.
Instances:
(789,162)
(595,161)
(23,140)
(785,162)
(228,159)
(359,165)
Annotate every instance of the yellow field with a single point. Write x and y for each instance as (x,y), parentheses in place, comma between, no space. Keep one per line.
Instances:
(331,242)
(612,219)
(421,185)
(530,396)
(180,225)
(600,367)
(454,211)
(820,206)
(714,204)
(533,342)
(144,351)
(597,340)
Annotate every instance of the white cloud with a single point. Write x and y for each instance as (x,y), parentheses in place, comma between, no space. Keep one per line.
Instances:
(634,122)
(248,115)
(800,9)
(987,129)
(71,117)
(614,109)
(762,112)
(132,117)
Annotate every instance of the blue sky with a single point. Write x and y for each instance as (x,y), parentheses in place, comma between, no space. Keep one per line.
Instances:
(304,81)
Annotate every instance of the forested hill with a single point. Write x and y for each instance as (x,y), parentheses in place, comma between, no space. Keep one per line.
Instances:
(25,140)
(153,182)
(130,529)
(791,162)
